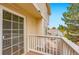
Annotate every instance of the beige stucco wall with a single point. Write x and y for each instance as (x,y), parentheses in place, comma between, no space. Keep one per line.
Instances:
(39,26)
(33,25)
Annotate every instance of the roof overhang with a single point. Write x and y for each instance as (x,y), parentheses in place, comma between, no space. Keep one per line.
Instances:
(48,8)
(24,8)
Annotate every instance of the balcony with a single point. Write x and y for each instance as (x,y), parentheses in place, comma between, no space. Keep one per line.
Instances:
(51,45)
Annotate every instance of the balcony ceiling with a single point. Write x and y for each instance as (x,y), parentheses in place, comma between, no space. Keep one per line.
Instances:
(24,9)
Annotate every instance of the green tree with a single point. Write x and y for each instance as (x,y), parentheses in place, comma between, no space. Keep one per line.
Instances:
(62,28)
(53,28)
(71,19)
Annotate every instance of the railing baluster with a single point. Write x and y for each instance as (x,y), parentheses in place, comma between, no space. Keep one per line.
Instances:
(44,44)
(56,47)
(29,42)
(35,43)
(66,49)
(49,47)
(59,44)
(69,50)
(32,42)
(38,44)
(53,45)
(29,46)
(41,44)
(61,47)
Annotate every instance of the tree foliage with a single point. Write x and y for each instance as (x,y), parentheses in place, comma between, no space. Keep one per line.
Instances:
(71,18)
(53,27)
(62,28)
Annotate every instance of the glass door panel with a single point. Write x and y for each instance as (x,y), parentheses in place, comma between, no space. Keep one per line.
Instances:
(13,40)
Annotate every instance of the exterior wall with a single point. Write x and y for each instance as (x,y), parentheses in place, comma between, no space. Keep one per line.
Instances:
(45,17)
(32,25)
(43,9)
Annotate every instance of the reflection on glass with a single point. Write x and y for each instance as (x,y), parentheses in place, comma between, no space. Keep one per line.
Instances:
(15,25)
(15,48)
(6,34)
(6,15)
(7,51)
(15,18)
(6,43)
(6,24)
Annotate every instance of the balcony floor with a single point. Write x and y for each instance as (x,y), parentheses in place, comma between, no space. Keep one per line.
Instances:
(33,53)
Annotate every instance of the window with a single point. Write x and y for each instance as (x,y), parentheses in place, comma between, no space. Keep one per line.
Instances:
(13,36)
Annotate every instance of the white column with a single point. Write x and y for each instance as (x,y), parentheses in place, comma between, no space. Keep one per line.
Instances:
(25,37)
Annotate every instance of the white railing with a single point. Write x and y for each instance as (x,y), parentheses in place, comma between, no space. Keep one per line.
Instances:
(52,45)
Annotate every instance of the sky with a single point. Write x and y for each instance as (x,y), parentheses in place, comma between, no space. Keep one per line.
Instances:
(57,9)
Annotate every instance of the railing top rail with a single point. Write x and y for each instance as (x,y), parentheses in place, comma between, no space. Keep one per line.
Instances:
(49,36)
(71,44)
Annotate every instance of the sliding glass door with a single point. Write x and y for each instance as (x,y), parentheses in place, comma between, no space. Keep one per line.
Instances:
(13,34)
